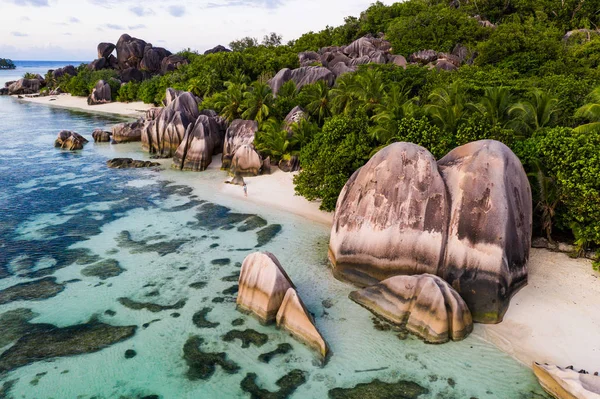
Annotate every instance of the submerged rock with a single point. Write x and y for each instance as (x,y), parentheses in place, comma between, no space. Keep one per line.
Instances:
(127,163)
(294,318)
(287,385)
(262,286)
(425,305)
(104,270)
(101,136)
(199,319)
(391,217)
(489,231)
(50,341)
(380,390)
(152,307)
(267,234)
(202,364)
(32,291)
(71,141)
(282,349)
(567,383)
(248,337)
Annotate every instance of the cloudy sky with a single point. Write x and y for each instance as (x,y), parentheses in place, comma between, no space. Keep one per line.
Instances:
(71,29)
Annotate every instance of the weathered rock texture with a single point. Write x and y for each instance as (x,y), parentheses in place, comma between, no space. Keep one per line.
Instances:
(200,142)
(263,285)
(71,141)
(239,133)
(489,231)
(567,384)
(127,132)
(101,136)
(425,305)
(294,318)
(101,94)
(24,86)
(128,163)
(466,219)
(391,217)
(296,115)
(246,162)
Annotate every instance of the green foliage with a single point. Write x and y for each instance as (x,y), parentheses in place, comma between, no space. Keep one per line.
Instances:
(5,63)
(29,75)
(243,43)
(150,91)
(128,92)
(84,82)
(425,134)
(331,158)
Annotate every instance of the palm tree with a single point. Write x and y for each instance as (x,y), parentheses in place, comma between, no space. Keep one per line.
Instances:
(395,106)
(258,102)
(534,114)
(548,198)
(590,112)
(447,107)
(369,88)
(343,95)
(494,105)
(230,101)
(239,78)
(318,103)
(302,133)
(271,140)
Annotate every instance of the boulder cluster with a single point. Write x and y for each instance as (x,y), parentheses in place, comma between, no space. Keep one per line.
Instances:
(466,218)
(266,291)
(68,140)
(23,86)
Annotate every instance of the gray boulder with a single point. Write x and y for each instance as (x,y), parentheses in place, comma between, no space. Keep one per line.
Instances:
(172,63)
(246,162)
(101,94)
(101,136)
(98,64)
(290,165)
(200,142)
(130,52)
(131,75)
(129,163)
(24,86)
(127,132)
(296,115)
(153,57)
(398,60)
(239,133)
(68,70)
(217,49)
(424,56)
(105,50)
(301,76)
(68,140)
(340,68)
(308,58)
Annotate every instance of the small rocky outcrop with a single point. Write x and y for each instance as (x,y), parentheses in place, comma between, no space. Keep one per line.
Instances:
(391,217)
(301,77)
(68,70)
(128,163)
(239,133)
(291,164)
(163,135)
(246,162)
(294,318)
(127,132)
(425,305)
(566,383)
(263,285)
(237,181)
(217,49)
(172,63)
(101,136)
(105,50)
(424,57)
(200,142)
(131,75)
(153,56)
(24,86)
(71,141)
(466,218)
(101,94)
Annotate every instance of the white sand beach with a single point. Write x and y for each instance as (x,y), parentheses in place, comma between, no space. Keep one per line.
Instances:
(554,319)
(134,109)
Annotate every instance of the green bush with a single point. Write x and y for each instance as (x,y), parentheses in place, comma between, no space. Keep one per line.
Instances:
(128,92)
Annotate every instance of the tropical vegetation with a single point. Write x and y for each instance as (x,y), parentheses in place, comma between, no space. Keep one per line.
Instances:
(5,63)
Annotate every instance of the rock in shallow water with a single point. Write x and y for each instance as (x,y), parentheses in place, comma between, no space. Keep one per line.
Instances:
(101,136)
(425,304)
(287,385)
(32,291)
(128,163)
(380,390)
(567,384)
(71,141)
(202,364)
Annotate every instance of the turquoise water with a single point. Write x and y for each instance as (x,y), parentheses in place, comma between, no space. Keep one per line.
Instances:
(61,213)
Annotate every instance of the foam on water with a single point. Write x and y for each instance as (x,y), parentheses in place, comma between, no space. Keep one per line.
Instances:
(65,212)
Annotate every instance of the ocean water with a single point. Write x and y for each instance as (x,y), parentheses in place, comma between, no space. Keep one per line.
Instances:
(171,244)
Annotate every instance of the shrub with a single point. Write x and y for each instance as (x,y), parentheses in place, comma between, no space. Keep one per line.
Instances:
(128,92)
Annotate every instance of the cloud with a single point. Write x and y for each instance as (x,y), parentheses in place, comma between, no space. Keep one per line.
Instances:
(247,3)
(74,20)
(135,27)
(141,11)
(115,27)
(25,19)
(19,34)
(176,11)
(33,3)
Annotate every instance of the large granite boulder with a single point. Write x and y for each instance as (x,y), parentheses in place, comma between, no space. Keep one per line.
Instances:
(246,162)
(3,91)
(127,132)
(172,63)
(296,115)
(24,86)
(359,48)
(391,217)
(217,49)
(101,94)
(164,135)
(263,285)
(301,76)
(424,304)
(309,58)
(68,70)
(130,52)
(566,383)
(101,136)
(489,231)
(341,68)
(153,57)
(68,140)
(198,145)
(294,318)
(97,65)
(131,75)
(239,133)
(105,50)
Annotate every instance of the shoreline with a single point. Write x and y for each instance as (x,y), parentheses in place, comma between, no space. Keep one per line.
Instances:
(553,319)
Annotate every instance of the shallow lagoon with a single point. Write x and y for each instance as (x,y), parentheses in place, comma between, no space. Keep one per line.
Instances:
(62,213)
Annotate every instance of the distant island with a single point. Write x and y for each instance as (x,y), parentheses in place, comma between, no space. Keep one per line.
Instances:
(5,63)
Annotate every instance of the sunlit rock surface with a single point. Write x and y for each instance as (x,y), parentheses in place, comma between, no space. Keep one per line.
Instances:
(566,383)
(240,132)
(71,141)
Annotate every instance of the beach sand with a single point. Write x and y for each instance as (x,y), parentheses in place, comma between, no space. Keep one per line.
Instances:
(554,319)
(134,109)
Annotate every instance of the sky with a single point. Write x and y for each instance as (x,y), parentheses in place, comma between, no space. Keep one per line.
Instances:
(71,29)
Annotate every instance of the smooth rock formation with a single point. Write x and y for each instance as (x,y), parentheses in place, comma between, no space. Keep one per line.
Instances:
(24,86)
(239,133)
(301,76)
(424,304)
(294,318)
(391,217)
(153,57)
(101,94)
(105,49)
(489,231)
(290,165)
(130,51)
(567,384)
(128,163)
(172,63)
(131,75)
(68,70)
(198,146)
(246,162)
(98,64)
(217,49)
(71,141)
(263,285)
(127,132)
(101,136)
